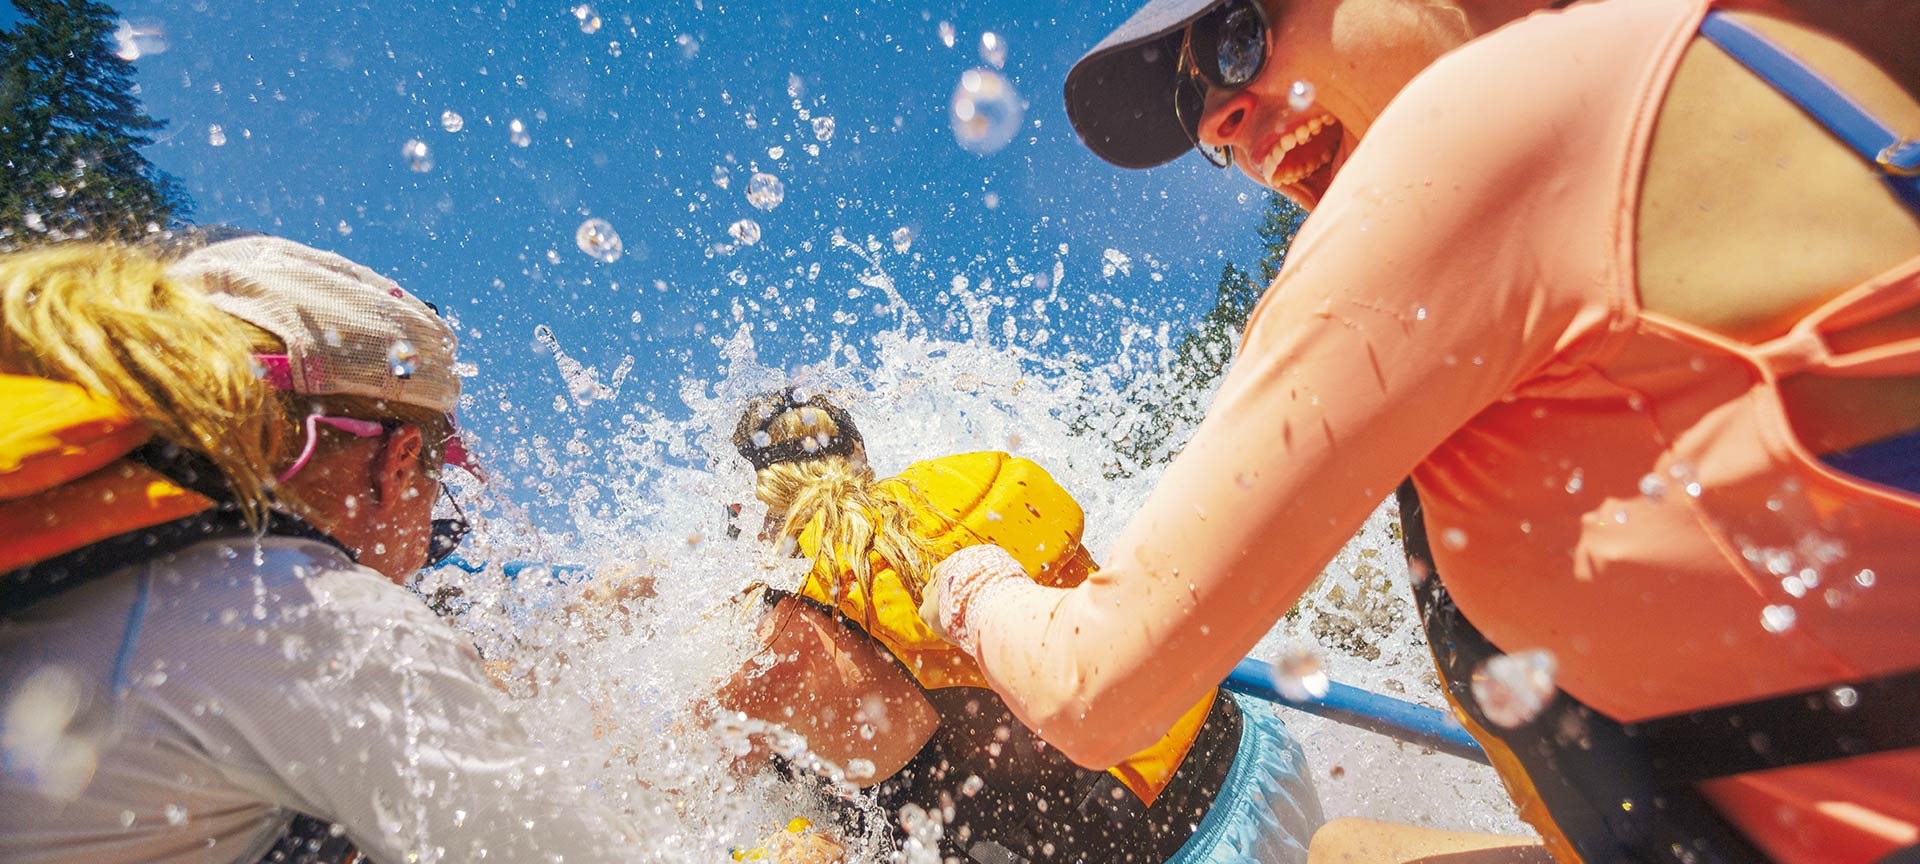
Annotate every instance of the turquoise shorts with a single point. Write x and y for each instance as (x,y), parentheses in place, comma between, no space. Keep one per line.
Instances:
(1266,810)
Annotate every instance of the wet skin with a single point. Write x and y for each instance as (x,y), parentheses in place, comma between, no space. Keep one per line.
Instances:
(1728,238)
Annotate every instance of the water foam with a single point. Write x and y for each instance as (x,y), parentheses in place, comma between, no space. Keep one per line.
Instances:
(648,500)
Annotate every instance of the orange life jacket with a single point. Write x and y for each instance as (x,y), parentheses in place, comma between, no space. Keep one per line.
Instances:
(65,481)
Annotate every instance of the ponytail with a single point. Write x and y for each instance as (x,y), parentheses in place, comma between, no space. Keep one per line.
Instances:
(108,319)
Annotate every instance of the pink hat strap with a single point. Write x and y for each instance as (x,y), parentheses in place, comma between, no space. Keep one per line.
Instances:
(276,370)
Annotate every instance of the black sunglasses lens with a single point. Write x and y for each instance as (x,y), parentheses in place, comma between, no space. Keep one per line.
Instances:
(1240,48)
(1229,44)
(446,537)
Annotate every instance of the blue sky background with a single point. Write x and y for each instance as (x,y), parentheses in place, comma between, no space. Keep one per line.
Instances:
(627,124)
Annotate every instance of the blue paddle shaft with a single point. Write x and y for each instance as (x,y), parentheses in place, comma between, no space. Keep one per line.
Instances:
(1394,718)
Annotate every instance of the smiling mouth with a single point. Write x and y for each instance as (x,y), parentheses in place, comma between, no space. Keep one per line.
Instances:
(1301,152)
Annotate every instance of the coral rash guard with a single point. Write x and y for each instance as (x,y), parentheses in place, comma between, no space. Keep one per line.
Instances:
(1620,488)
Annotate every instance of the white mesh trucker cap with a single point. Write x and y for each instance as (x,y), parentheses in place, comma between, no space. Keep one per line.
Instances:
(347,329)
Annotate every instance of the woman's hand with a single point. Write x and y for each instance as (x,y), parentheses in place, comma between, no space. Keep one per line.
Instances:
(960,583)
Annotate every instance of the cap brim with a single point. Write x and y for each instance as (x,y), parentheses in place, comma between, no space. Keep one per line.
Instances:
(1120,96)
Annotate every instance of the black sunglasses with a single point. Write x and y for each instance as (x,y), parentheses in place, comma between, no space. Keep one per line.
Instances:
(1225,48)
(448,532)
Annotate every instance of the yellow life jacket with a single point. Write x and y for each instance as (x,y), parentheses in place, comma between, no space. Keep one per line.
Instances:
(65,481)
(1015,504)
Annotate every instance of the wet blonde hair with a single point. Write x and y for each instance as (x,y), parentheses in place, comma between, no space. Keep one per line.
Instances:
(109,319)
(858,514)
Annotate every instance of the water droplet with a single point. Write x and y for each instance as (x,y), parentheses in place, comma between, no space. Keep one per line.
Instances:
(946,33)
(972,785)
(216,135)
(589,19)
(452,121)
(823,129)
(402,359)
(1300,674)
(1512,689)
(776,152)
(1653,486)
(1865,578)
(720,176)
(133,41)
(1419,313)
(176,814)
(127,818)
(331,336)
(1453,538)
(689,46)
(902,239)
(1575,482)
(746,232)
(986,112)
(765,191)
(517,133)
(860,769)
(415,150)
(1843,698)
(1778,618)
(1300,95)
(598,239)
(993,49)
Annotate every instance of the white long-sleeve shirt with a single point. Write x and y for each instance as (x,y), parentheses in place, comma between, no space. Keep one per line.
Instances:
(261,684)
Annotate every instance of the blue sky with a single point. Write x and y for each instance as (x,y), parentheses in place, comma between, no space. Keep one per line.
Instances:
(627,124)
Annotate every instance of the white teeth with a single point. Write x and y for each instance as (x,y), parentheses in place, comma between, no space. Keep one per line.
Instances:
(1300,135)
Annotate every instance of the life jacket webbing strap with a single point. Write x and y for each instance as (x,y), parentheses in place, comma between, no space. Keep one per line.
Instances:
(1821,724)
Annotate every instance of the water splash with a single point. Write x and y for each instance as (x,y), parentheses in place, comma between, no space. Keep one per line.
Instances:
(993,49)
(598,239)
(765,191)
(1512,689)
(746,232)
(132,41)
(588,19)
(417,156)
(403,359)
(985,112)
(1301,95)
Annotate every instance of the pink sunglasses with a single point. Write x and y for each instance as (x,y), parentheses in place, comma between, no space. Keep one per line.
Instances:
(278,373)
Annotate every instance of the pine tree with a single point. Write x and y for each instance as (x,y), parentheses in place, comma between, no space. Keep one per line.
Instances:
(71,130)
(1163,406)
(1277,227)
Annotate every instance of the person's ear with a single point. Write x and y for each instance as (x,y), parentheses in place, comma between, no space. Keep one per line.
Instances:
(396,468)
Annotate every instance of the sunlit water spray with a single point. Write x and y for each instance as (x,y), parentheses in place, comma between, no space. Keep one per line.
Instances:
(649,501)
